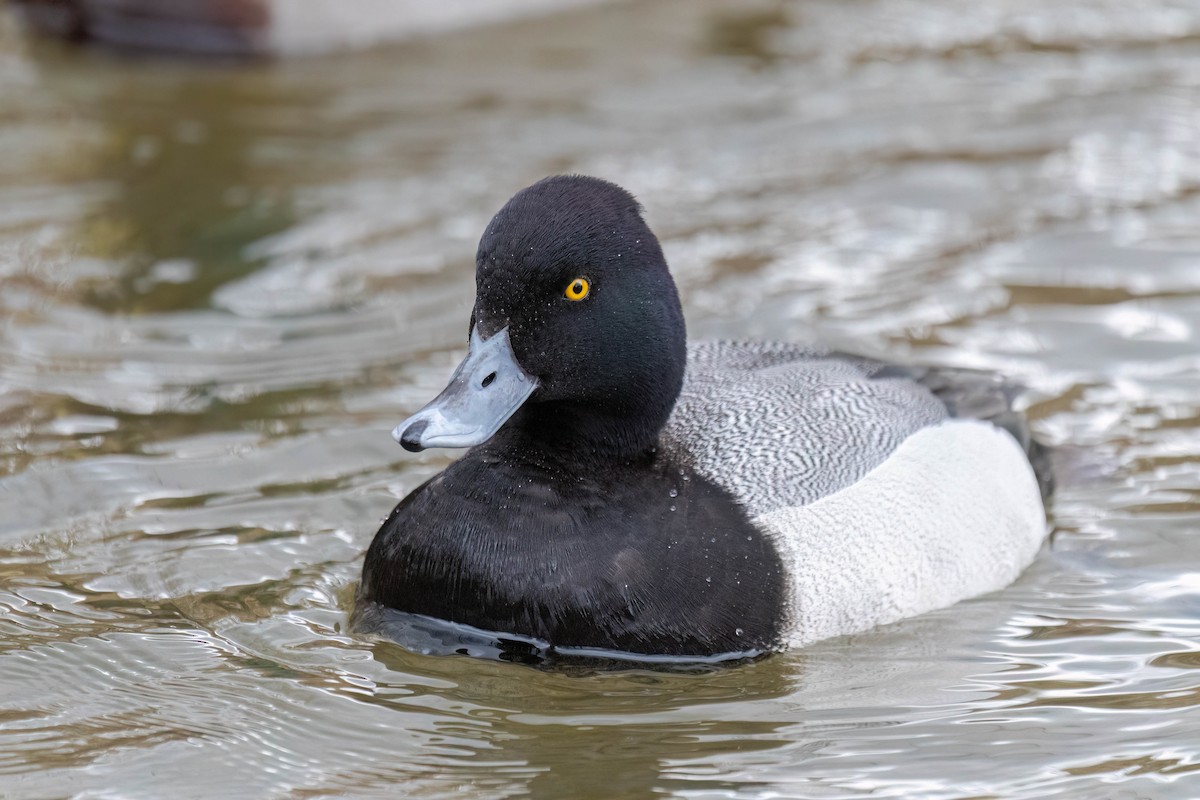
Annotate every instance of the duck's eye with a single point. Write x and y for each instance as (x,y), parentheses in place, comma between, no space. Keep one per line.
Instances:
(577,289)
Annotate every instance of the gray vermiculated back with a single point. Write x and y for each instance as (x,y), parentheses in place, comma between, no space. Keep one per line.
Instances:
(782,425)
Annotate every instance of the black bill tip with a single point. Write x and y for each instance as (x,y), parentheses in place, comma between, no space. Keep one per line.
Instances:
(410,439)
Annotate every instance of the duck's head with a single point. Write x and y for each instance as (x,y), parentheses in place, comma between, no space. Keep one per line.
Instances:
(577,338)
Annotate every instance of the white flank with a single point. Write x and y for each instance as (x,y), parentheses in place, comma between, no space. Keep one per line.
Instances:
(954,512)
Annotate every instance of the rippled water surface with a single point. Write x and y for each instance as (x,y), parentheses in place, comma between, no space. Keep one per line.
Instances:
(222,285)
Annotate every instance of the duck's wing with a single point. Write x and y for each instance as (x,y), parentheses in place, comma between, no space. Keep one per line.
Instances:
(782,425)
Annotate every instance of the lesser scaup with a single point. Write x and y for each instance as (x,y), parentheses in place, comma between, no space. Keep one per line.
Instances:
(624,491)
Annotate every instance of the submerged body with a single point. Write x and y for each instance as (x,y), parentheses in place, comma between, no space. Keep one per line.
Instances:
(628,493)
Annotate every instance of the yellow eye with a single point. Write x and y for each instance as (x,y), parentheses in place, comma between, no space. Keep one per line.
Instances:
(578,289)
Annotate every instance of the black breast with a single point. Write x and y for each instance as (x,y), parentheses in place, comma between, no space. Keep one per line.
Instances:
(643,557)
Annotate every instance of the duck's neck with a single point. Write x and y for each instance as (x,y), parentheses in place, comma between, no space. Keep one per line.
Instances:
(566,431)
(615,411)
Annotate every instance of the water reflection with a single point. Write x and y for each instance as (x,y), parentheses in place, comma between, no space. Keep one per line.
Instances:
(596,735)
(186,194)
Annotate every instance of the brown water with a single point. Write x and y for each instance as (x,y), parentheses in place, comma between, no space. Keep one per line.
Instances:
(221,286)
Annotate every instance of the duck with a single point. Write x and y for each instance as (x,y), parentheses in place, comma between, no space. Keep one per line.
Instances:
(625,491)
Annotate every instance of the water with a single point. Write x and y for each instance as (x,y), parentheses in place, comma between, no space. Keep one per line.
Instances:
(221,286)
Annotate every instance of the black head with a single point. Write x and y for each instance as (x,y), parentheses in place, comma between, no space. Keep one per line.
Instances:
(570,268)
(577,341)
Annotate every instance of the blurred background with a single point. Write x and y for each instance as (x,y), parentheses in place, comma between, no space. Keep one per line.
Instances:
(236,247)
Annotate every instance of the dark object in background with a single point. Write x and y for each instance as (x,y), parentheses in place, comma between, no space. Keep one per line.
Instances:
(224,27)
(266,27)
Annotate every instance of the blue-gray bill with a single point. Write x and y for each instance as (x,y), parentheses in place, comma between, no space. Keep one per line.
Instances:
(487,388)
